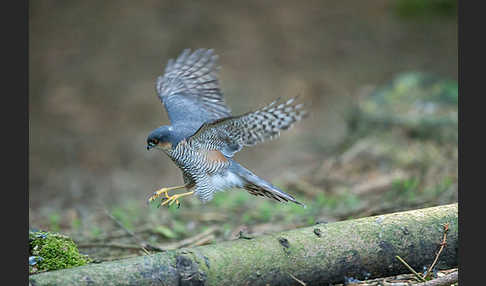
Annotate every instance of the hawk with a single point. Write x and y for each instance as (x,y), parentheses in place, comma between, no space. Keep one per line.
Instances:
(204,135)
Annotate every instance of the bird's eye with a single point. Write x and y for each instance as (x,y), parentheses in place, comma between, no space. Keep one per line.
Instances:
(154,142)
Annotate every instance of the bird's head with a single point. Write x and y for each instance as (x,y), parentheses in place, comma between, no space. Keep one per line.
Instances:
(161,138)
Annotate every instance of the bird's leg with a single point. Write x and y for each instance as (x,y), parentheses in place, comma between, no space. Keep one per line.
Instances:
(174,198)
(163,191)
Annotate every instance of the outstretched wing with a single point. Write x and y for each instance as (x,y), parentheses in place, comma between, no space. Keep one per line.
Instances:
(189,89)
(230,134)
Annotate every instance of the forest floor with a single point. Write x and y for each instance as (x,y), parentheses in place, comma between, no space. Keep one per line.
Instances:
(390,161)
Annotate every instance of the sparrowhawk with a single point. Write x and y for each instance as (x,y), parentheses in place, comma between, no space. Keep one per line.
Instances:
(204,135)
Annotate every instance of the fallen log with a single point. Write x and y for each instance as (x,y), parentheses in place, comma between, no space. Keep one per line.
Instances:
(325,253)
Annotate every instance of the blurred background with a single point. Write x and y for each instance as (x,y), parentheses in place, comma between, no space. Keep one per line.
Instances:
(379,78)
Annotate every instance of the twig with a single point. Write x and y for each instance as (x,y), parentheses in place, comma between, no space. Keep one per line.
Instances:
(442,245)
(295,278)
(143,244)
(203,241)
(442,281)
(411,269)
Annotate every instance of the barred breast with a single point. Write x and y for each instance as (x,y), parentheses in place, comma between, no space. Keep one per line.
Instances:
(199,166)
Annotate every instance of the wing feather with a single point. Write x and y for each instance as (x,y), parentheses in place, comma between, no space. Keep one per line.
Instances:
(189,89)
(230,134)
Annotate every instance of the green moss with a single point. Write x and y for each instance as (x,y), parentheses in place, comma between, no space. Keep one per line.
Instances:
(53,251)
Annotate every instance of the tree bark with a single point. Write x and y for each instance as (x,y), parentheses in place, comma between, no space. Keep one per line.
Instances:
(325,253)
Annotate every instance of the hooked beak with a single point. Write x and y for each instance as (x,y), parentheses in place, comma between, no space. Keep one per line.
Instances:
(163,146)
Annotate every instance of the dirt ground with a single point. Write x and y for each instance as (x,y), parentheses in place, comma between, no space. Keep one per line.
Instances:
(92,103)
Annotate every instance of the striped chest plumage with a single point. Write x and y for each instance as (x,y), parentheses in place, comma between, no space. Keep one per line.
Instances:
(196,162)
(199,166)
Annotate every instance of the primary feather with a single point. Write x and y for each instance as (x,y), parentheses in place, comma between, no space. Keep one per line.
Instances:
(189,89)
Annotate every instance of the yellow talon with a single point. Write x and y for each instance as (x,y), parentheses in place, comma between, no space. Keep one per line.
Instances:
(162,191)
(174,198)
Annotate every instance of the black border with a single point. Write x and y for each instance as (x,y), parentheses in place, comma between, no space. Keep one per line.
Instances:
(470,76)
(15,135)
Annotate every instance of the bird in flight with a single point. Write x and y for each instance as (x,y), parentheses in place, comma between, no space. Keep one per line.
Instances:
(204,135)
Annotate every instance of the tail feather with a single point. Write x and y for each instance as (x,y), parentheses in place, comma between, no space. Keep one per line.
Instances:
(273,193)
(259,187)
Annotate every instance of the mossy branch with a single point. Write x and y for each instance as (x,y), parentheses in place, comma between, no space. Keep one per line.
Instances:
(363,248)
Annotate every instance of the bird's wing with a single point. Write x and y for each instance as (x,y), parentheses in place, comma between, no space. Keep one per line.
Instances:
(189,88)
(230,134)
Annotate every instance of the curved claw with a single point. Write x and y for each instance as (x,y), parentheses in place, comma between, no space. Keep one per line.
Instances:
(170,200)
(164,200)
(152,197)
(161,192)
